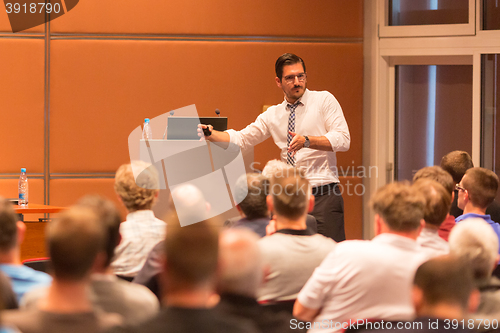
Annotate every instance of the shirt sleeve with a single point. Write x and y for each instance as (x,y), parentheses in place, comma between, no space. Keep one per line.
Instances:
(338,131)
(253,134)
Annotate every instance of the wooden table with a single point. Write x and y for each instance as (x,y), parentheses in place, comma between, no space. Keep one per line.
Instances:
(34,239)
(37,209)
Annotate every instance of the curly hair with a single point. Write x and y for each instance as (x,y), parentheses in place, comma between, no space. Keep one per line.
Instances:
(137,193)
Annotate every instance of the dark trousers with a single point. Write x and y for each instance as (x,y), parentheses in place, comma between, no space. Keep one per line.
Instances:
(329,211)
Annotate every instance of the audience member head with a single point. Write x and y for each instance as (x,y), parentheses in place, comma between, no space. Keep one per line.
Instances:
(437,201)
(399,208)
(478,188)
(437,174)
(476,242)
(140,193)
(109,217)
(290,195)
(456,163)
(251,191)
(444,288)
(275,167)
(242,268)
(285,60)
(191,254)
(189,204)
(74,239)
(9,227)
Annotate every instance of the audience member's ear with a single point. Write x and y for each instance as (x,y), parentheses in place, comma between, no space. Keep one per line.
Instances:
(495,264)
(269,201)
(474,299)
(452,196)
(417,297)
(311,204)
(21,230)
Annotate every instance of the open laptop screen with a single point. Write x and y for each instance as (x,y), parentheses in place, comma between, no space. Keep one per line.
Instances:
(186,128)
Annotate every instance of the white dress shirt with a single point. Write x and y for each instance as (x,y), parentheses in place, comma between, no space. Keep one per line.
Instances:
(430,242)
(364,279)
(318,114)
(140,233)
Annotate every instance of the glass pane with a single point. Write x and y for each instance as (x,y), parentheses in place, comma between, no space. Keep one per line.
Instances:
(490,100)
(491,14)
(433,115)
(422,12)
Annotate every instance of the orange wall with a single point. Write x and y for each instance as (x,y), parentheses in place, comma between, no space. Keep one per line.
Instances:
(104,66)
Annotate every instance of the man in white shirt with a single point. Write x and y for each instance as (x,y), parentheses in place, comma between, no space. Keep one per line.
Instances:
(369,279)
(309,127)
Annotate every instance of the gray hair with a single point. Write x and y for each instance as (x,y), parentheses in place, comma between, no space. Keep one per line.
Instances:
(273,167)
(475,241)
(241,262)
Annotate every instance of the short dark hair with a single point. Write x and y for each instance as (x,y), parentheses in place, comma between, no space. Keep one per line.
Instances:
(445,279)
(482,186)
(437,174)
(437,200)
(285,60)
(109,217)
(456,163)
(400,205)
(73,240)
(8,225)
(253,204)
(192,251)
(290,191)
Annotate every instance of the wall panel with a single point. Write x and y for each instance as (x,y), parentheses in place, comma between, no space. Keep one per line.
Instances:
(332,18)
(101,90)
(66,192)
(22,105)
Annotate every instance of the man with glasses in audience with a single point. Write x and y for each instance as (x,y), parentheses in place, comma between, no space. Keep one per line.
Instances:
(309,127)
(476,191)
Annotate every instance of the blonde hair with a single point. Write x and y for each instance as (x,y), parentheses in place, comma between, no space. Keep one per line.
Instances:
(140,193)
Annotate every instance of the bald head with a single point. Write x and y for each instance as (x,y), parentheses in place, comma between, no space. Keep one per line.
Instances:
(190,204)
(241,262)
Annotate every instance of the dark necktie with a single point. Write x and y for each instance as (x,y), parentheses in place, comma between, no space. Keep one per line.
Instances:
(291,128)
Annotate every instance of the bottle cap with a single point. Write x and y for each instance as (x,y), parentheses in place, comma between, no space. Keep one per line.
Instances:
(146,120)
(23,169)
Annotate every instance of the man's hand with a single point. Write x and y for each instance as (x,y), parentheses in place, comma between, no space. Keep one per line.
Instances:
(296,144)
(202,129)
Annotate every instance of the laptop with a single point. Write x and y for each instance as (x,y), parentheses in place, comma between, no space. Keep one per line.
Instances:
(186,128)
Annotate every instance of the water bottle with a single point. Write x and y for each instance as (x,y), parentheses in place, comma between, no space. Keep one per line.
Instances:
(23,188)
(147,133)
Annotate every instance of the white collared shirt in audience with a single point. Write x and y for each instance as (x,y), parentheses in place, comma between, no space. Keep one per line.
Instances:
(140,233)
(431,243)
(364,279)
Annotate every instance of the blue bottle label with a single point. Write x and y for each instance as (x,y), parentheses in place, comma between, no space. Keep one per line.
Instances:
(21,196)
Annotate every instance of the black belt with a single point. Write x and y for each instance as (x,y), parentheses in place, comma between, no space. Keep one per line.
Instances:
(325,189)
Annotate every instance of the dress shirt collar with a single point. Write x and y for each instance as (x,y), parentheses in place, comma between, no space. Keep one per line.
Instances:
(141,215)
(302,232)
(430,231)
(397,241)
